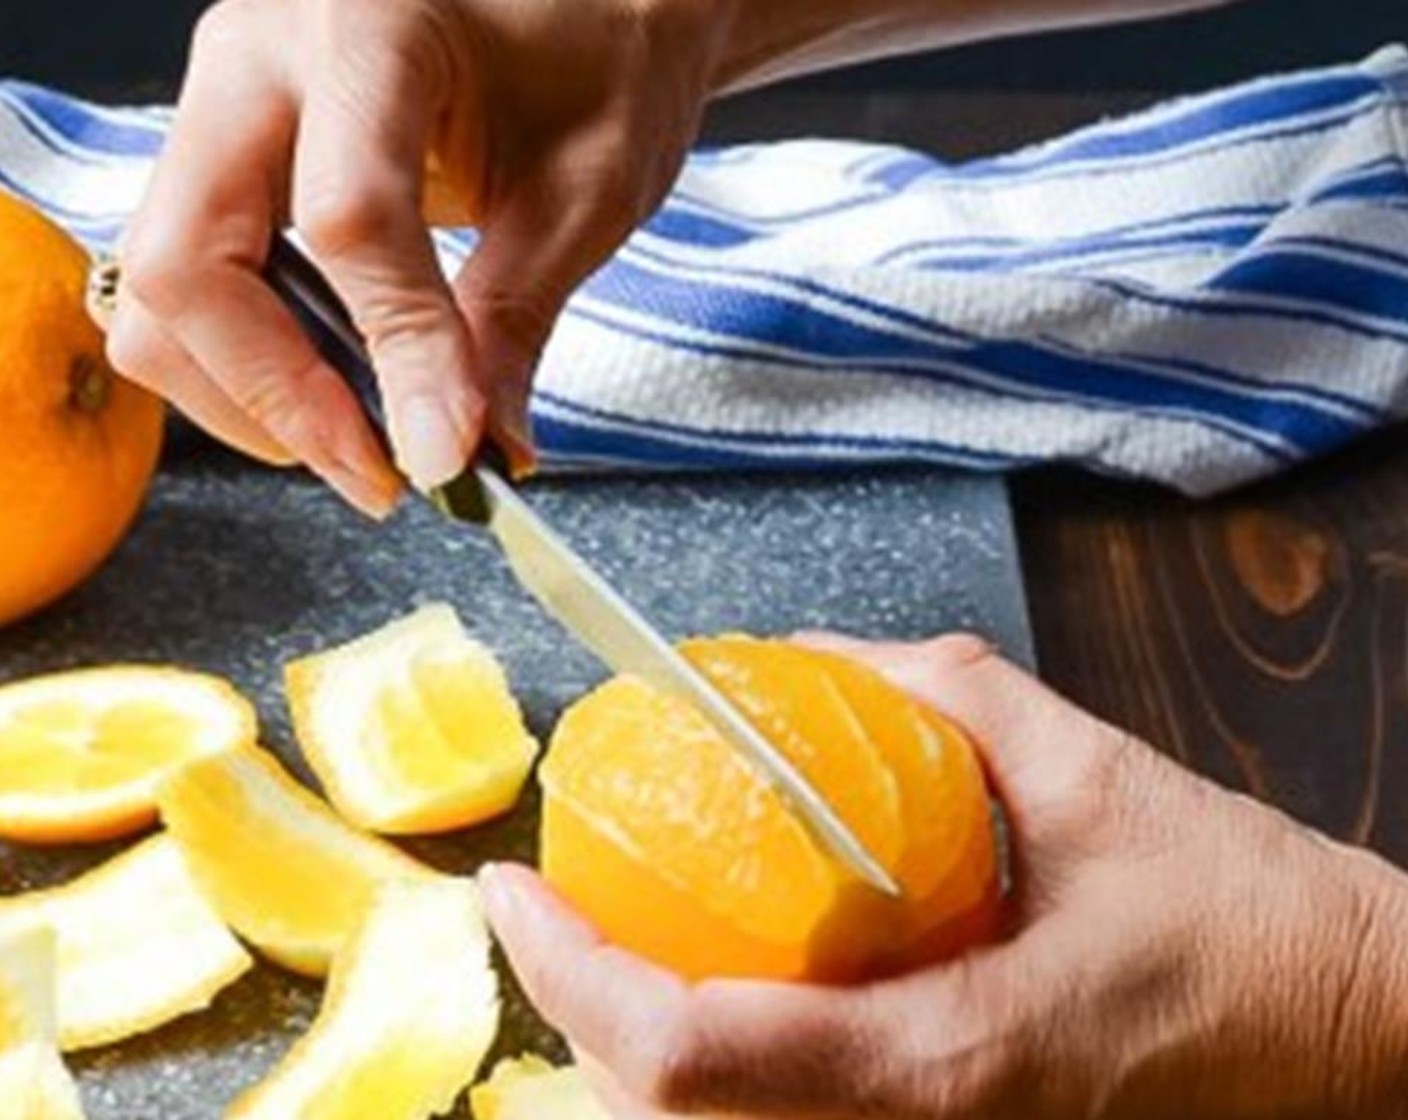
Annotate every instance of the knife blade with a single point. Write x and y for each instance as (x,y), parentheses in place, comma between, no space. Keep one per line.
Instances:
(566,586)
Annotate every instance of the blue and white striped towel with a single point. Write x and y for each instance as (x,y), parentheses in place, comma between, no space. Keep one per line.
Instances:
(1200,294)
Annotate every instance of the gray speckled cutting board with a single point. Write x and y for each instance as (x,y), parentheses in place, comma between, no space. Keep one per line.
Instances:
(234,569)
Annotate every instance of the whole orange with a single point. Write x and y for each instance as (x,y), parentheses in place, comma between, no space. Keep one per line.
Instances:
(78,444)
(663,836)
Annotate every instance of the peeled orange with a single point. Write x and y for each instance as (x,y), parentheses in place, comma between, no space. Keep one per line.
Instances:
(280,867)
(138,946)
(668,840)
(411,1009)
(413,728)
(530,1088)
(34,1085)
(80,444)
(81,753)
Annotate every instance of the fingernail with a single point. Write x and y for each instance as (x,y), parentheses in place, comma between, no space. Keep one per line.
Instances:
(372,497)
(279,457)
(429,445)
(522,456)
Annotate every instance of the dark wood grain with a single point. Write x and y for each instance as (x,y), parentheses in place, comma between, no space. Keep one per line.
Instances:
(1261,638)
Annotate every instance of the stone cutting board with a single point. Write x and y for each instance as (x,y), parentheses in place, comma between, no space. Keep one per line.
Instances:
(235,569)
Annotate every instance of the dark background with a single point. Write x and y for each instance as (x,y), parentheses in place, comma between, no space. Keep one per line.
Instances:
(109,49)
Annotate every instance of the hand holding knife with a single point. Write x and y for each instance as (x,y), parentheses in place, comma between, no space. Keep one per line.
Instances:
(562,582)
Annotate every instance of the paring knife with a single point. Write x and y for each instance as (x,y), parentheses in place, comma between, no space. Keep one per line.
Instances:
(563,582)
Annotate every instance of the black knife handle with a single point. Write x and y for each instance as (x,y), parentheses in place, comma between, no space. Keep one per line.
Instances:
(300,284)
(326,321)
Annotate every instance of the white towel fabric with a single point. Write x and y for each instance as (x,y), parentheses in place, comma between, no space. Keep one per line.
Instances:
(1199,294)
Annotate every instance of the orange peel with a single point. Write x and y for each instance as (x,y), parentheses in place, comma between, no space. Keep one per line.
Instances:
(412,728)
(279,866)
(34,1084)
(411,1009)
(137,943)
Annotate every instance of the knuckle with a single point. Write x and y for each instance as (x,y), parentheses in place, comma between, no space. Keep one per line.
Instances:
(268,398)
(220,28)
(932,668)
(669,1068)
(1096,786)
(519,320)
(336,220)
(866,1047)
(600,187)
(525,323)
(391,317)
(618,195)
(957,652)
(812,1052)
(155,270)
(133,350)
(996,1064)
(146,275)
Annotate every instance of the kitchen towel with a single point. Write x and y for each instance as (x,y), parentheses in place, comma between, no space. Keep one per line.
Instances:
(1200,294)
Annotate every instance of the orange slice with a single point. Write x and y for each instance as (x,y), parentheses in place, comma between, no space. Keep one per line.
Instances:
(950,865)
(411,1009)
(412,729)
(530,1088)
(81,753)
(666,838)
(34,1085)
(138,945)
(281,868)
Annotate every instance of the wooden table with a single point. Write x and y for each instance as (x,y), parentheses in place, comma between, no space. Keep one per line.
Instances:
(1261,638)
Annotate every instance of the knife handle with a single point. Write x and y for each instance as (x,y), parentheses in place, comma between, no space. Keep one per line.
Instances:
(300,284)
(297,281)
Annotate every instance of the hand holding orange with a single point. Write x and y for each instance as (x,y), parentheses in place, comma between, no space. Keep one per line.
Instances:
(662,835)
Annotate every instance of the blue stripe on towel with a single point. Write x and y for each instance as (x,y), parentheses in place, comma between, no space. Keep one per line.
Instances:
(805,332)
(821,295)
(84,126)
(599,433)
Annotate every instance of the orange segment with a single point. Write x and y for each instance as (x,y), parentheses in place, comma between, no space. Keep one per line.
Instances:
(274,860)
(662,835)
(412,729)
(950,861)
(138,946)
(34,1085)
(411,1009)
(81,753)
(805,714)
(659,919)
(530,1088)
(644,805)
